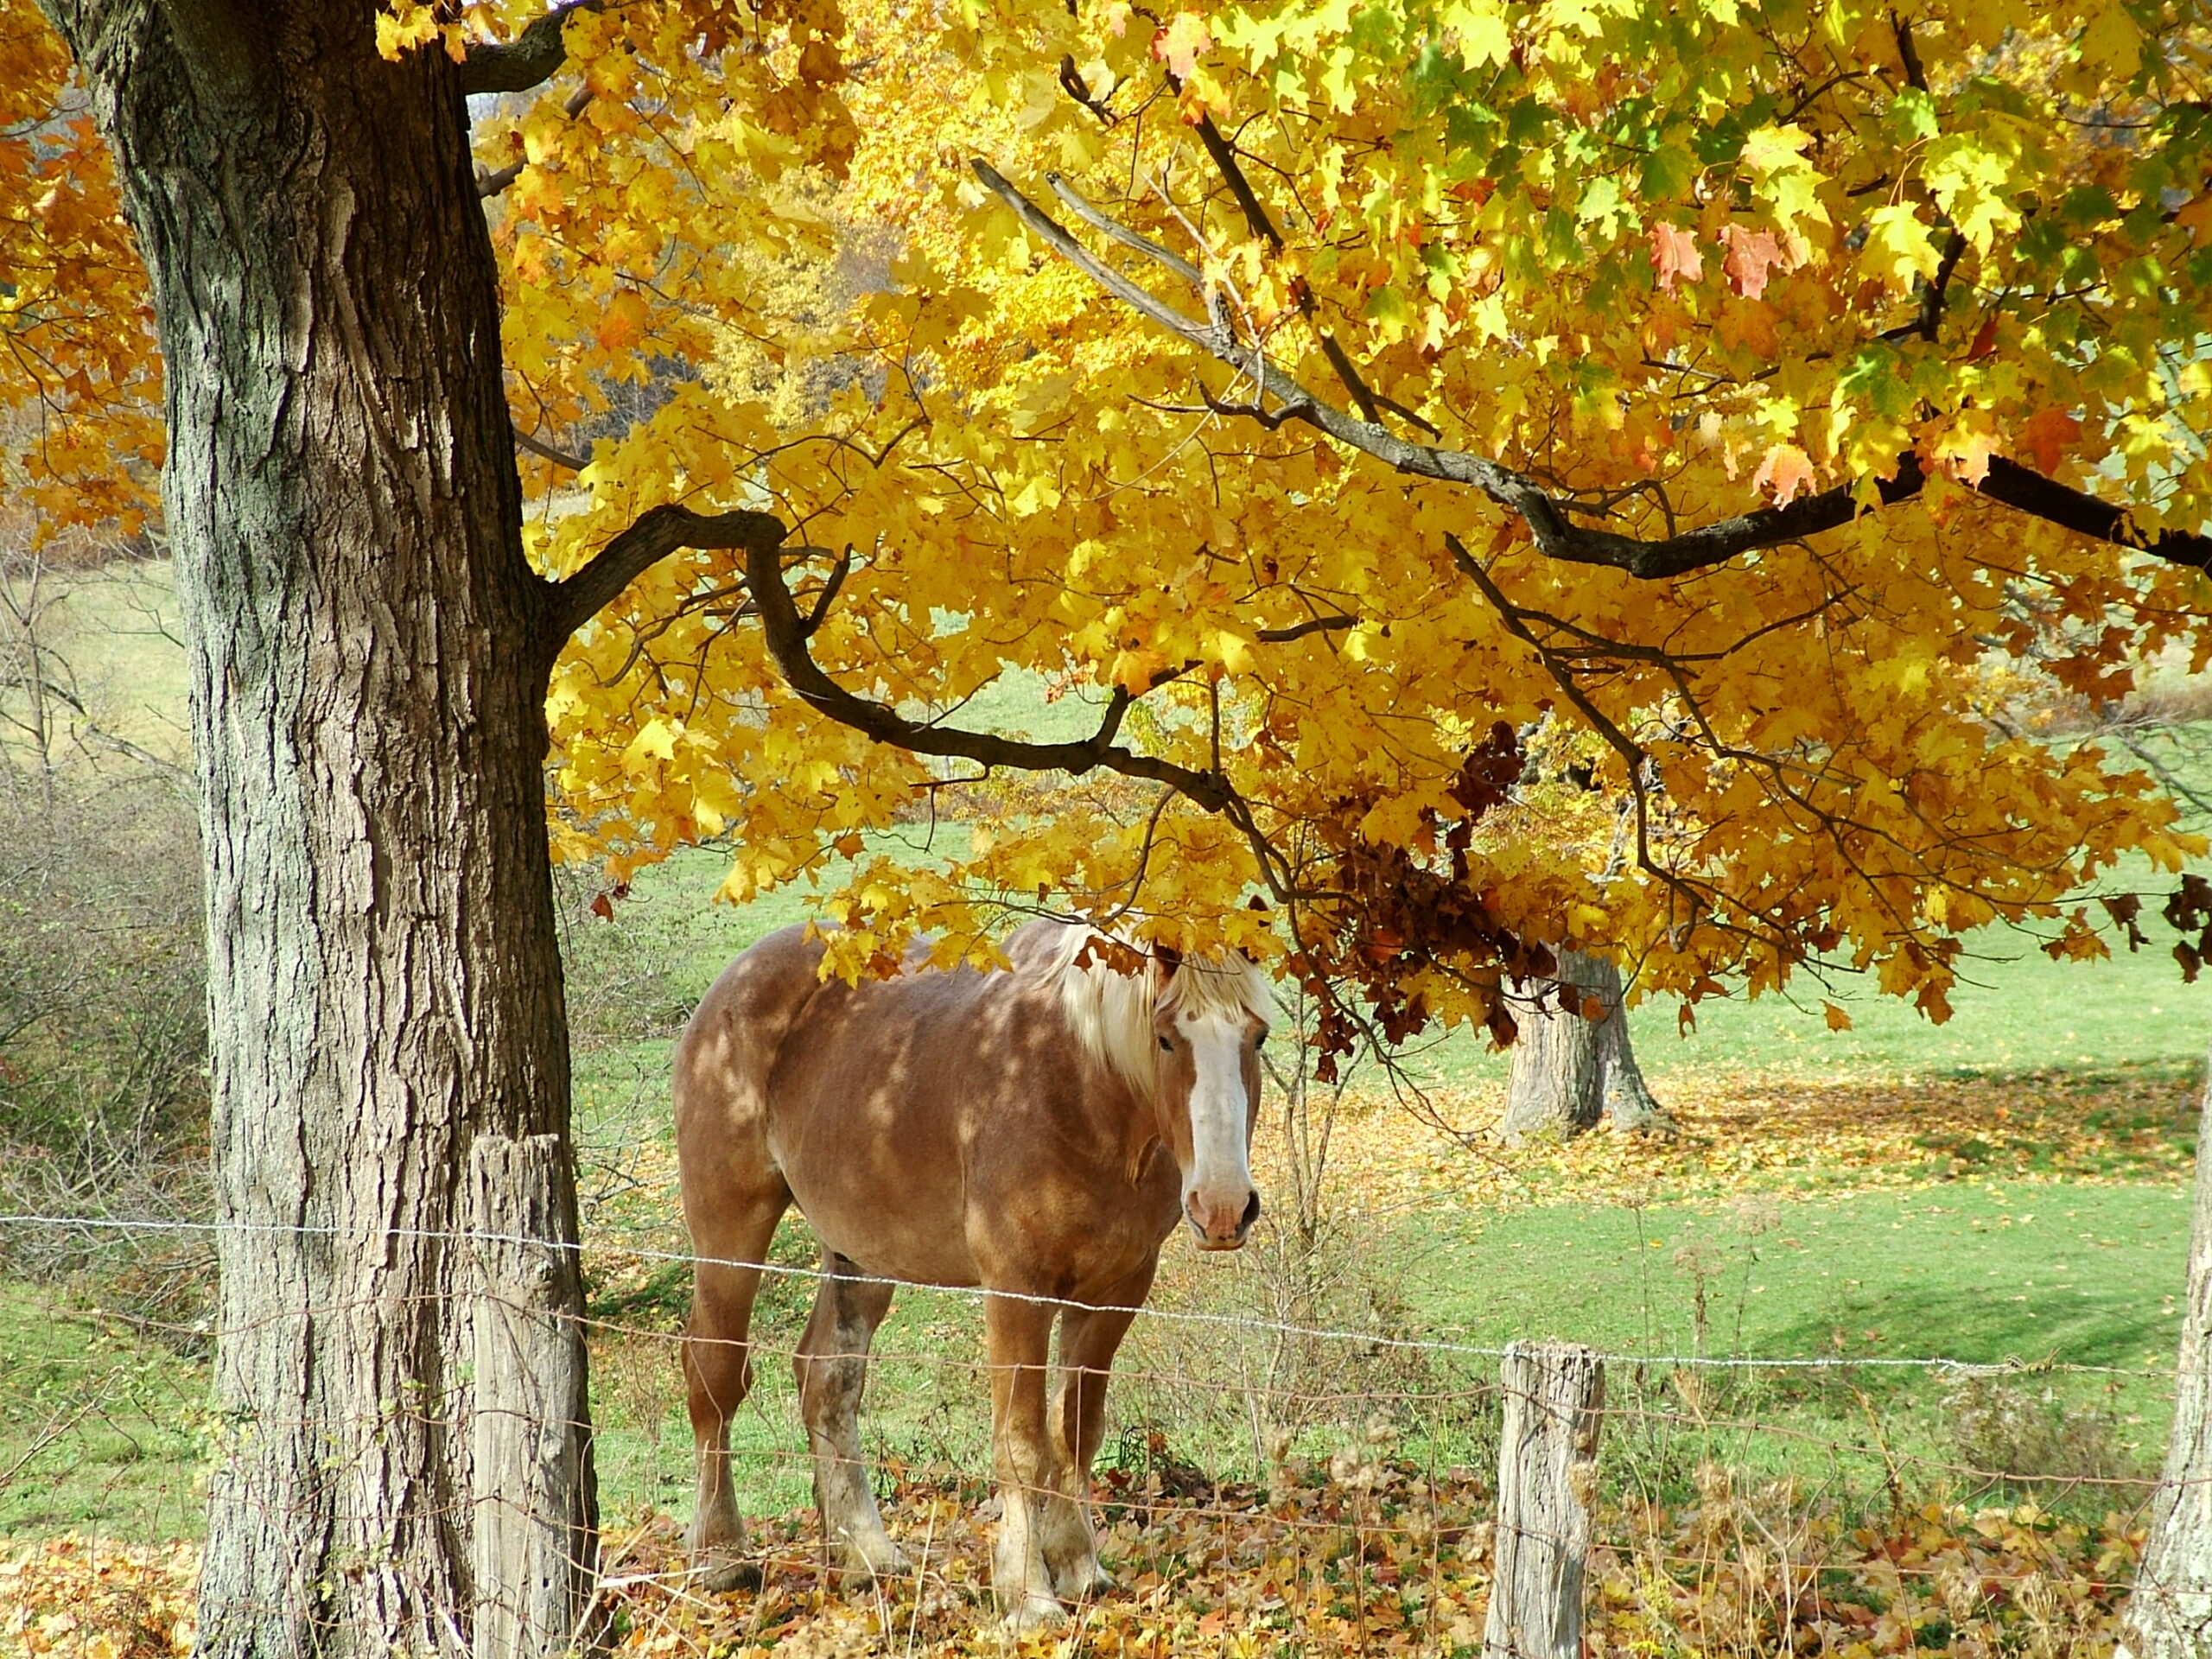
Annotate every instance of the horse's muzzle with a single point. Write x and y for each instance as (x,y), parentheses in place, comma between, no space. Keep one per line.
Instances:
(1214,1231)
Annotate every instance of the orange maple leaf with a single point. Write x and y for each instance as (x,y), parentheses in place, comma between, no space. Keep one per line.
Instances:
(623,323)
(2048,435)
(1965,456)
(1181,43)
(1751,255)
(1786,470)
(1674,255)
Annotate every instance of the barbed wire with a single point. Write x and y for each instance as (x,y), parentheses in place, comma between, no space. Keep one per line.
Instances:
(2012,1365)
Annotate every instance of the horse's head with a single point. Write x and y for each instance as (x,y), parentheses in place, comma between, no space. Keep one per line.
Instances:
(1184,1035)
(1207,1026)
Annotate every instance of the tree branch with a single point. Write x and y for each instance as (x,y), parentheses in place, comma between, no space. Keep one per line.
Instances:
(760,537)
(786,635)
(1299,629)
(531,59)
(1546,517)
(547,452)
(1072,82)
(490,182)
(658,533)
(1232,174)
(1371,403)
(2071,509)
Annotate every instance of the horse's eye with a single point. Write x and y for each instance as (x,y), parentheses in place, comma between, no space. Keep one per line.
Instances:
(1167,1044)
(1260,1041)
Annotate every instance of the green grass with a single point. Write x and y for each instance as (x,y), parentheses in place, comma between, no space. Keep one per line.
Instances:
(2088,1273)
(100,1431)
(1957,1269)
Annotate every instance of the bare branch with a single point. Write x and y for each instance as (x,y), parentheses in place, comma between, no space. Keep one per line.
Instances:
(1371,403)
(828,597)
(2071,509)
(1908,53)
(1076,204)
(1232,174)
(760,537)
(1691,550)
(531,59)
(1299,629)
(1072,83)
(547,452)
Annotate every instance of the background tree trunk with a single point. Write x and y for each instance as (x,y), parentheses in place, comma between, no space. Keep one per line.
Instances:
(368,674)
(1569,1070)
(2169,1615)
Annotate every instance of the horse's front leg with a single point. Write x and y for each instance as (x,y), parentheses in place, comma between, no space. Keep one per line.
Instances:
(1089,1339)
(832,1368)
(1020,1336)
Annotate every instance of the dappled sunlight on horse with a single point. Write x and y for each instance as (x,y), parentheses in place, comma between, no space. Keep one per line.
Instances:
(1038,1131)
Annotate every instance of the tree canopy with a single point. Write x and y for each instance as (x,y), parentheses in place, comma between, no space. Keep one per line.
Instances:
(1497,477)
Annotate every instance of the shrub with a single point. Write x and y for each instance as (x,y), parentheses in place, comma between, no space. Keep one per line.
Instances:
(102,1034)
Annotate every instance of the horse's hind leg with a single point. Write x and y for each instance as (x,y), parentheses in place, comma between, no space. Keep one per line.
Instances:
(719,1371)
(1089,1339)
(832,1367)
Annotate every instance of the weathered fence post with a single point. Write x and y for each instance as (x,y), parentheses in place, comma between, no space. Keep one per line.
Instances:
(1547,1489)
(536,1515)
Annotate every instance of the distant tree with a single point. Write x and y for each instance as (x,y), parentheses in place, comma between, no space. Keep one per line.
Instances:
(1573,1063)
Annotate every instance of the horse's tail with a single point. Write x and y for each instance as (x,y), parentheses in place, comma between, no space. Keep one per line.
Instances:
(725,1056)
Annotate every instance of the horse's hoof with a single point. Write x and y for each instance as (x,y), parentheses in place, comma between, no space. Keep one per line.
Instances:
(1035,1613)
(717,1578)
(1081,1580)
(882,1560)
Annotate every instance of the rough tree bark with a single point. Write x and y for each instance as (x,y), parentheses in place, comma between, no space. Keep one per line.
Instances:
(1569,1070)
(2169,1614)
(369,654)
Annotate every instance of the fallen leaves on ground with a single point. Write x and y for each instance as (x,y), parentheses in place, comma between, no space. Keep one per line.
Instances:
(1751,1131)
(80,1598)
(1386,1559)
(1374,1558)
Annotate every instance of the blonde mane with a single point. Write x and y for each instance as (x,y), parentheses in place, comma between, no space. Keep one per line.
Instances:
(1112,1012)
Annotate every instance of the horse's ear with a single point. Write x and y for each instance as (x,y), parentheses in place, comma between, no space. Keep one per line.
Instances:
(1247,955)
(1168,957)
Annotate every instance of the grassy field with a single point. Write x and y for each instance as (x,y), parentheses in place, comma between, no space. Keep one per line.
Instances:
(2009,1187)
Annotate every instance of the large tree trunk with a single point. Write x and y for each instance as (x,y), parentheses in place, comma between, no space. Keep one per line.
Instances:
(2169,1615)
(1568,1070)
(369,656)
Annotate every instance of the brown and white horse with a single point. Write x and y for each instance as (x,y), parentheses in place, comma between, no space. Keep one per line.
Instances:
(1038,1131)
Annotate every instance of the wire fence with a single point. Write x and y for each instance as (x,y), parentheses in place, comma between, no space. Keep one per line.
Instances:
(1264,1484)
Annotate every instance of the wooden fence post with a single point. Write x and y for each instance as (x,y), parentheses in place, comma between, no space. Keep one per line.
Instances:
(1547,1489)
(535,1514)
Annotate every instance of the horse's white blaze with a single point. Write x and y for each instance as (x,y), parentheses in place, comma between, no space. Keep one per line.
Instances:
(1218,1184)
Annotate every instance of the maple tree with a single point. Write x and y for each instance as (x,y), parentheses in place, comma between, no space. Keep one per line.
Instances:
(1502,478)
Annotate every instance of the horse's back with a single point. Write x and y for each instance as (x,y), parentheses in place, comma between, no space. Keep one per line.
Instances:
(727,1050)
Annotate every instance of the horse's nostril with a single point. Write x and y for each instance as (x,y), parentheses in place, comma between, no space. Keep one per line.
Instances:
(1251,1213)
